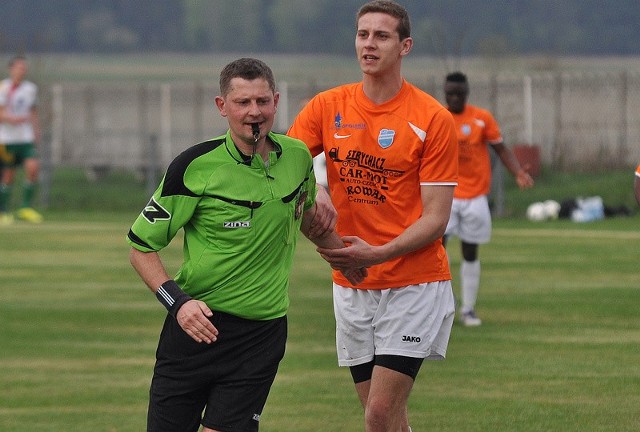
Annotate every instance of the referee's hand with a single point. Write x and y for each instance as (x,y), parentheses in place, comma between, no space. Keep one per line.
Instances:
(193,317)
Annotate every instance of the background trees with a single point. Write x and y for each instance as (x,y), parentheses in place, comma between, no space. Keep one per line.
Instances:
(461,27)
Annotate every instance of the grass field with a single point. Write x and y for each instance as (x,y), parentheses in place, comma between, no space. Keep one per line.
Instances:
(557,351)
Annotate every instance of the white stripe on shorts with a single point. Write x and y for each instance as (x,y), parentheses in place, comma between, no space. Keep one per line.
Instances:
(412,321)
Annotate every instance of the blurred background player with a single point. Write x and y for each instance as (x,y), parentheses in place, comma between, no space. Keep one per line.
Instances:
(19,136)
(636,184)
(470,219)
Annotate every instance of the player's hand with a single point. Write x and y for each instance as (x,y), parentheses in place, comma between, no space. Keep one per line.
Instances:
(193,317)
(326,216)
(355,276)
(357,254)
(16,120)
(524,180)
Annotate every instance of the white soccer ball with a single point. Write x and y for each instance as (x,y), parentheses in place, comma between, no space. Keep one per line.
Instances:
(536,212)
(551,209)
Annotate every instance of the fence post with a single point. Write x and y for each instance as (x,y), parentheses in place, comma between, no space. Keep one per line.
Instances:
(283,107)
(528,110)
(51,146)
(556,150)
(165,123)
(198,104)
(153,165)
(623,149)
(46,171)
(497,178)
(57,126)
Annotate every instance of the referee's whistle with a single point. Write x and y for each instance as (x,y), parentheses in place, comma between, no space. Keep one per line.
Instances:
(255,128)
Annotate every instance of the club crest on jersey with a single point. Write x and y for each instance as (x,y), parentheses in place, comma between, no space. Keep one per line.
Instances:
(466,129)
(337,121)
(385,138)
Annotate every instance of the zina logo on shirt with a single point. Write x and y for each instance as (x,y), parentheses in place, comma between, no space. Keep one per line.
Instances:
(238,224)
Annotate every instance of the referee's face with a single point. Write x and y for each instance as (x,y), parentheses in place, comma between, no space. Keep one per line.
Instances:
(248,102)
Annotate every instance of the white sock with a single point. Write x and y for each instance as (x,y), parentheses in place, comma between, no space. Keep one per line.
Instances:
(470,281)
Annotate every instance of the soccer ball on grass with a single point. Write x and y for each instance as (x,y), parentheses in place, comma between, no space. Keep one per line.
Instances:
(536,212)
(542,211)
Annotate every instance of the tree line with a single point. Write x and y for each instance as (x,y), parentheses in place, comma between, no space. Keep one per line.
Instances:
(440,27)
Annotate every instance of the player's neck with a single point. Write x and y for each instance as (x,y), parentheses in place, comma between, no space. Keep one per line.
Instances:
(380,89)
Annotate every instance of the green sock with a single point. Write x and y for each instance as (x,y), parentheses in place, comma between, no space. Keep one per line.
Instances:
(5,195)
(28,190)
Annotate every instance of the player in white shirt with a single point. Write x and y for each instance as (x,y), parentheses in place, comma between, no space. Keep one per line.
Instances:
(19,136)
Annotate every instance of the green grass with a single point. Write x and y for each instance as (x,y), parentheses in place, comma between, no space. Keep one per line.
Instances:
(557,351)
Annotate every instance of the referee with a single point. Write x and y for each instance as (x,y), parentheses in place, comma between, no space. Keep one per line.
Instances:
(241,199)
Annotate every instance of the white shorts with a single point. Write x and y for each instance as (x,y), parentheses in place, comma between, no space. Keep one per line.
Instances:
(412,321)
(470,220)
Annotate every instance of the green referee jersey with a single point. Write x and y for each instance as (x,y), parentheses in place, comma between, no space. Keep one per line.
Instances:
(241,219)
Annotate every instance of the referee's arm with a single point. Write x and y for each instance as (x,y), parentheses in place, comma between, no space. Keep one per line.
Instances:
(193,315)
(149,267)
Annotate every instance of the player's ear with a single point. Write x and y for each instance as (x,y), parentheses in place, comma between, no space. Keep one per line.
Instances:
(276,99)
(220,104)
(407,44)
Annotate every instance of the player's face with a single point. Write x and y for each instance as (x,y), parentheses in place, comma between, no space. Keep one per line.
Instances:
(378,45)
(248,102)
(456,95)
(18,70)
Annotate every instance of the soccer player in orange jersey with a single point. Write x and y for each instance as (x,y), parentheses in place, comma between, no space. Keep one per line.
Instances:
(470,220)
(636,184)
(392,159)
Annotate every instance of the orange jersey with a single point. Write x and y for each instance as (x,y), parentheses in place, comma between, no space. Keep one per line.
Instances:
(378,156)
(475,128)
(638,171)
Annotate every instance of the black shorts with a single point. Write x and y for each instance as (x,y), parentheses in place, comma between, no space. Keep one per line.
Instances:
(229,380)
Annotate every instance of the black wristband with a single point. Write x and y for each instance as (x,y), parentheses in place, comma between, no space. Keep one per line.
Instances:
(171,296)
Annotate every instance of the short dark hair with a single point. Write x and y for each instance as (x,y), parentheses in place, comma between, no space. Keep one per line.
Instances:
(246,68)
(392,8)
(457,77)
(16,58)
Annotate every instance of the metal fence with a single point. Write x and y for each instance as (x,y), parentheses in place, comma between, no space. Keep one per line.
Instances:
(577,121)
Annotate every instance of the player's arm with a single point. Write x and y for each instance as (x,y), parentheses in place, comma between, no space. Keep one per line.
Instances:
(636,188)
(192,315)
(4,115)
(436,209)
(325,216)
(307,127)
(7,117)
(330,240)
(510,162)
